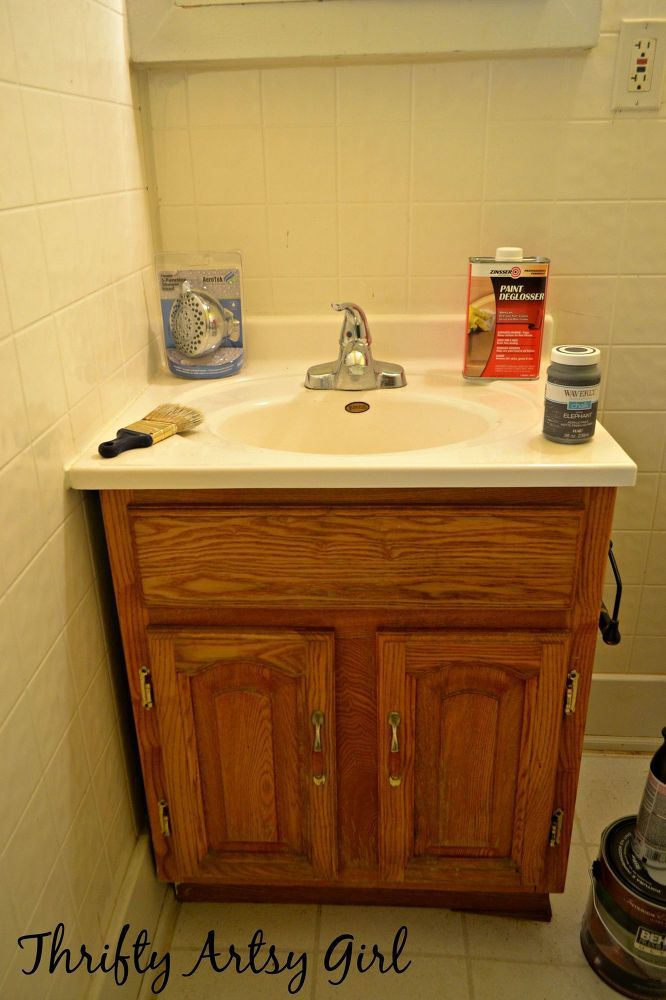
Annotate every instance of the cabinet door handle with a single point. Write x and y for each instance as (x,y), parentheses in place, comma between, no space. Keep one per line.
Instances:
(394,722)
(609,626)
(318,721)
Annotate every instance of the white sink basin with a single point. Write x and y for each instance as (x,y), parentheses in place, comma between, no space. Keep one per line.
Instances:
(282,415)
(263,429)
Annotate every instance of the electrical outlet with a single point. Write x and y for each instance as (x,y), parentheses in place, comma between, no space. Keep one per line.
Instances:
(639,68)
(641,65)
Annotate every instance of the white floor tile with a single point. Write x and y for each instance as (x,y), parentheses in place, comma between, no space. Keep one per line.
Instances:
(526,981)
(427,978)
(577,832)
(205,983)
(531,941)
(286,926)
(610,787)
(429,931)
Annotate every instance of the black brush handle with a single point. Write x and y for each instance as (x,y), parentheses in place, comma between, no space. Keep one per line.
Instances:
(124,440)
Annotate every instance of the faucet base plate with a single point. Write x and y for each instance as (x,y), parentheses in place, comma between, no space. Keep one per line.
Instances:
(378,375)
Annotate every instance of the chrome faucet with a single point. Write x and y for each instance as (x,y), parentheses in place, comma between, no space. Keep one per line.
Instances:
(355,367)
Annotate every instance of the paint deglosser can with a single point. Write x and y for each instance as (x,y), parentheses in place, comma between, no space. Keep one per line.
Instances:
(506,309)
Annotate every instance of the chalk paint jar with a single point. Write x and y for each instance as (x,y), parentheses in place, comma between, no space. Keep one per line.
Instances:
(573,380)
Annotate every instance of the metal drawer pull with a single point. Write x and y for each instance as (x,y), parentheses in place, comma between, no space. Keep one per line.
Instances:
(318,721)
(394,722)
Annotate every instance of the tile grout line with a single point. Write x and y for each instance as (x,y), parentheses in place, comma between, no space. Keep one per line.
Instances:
(468,957)
(315,950)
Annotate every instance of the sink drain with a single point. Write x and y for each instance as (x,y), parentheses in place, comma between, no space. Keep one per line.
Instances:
(357,407)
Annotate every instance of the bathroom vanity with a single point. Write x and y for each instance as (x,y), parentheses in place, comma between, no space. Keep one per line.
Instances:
(360,678)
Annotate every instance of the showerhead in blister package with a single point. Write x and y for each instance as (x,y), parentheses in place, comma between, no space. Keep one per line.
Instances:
(202,314)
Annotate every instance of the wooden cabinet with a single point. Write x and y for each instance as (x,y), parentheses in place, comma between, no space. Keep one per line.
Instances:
(360,695)
(478,718)
(246,721)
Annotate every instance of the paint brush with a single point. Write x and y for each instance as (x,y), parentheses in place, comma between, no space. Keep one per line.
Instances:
(160,423)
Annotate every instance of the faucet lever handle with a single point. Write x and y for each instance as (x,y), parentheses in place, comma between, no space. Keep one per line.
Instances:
(355,322)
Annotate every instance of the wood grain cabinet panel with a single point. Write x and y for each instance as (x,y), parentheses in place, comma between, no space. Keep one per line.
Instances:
(250,796)
(410,556)
(358,695)
(466,788)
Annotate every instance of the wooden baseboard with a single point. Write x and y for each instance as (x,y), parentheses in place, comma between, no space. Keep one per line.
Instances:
(625,712)
(619,744)
(527,906)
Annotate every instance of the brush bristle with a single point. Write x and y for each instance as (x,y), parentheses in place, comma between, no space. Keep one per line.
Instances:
(184,417)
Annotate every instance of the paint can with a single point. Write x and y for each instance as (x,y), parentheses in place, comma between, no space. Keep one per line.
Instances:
(572,393)
(506,311)
(623,934)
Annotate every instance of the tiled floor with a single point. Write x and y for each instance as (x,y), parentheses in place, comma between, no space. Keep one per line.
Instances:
(446,956)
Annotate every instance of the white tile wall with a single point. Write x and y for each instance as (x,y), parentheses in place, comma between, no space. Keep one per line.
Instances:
(75,263)
(376,182)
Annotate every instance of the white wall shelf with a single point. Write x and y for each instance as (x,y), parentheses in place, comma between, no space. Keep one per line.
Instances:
(214,31)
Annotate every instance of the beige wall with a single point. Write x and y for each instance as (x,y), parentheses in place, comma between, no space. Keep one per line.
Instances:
(376,182)
(75,250)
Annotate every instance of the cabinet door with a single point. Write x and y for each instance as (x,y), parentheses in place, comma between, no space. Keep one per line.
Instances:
(468,728)
(247,734)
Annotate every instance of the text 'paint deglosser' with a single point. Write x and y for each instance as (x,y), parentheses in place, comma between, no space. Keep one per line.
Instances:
(506,309)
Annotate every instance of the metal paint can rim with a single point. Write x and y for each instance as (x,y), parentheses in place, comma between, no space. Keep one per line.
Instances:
(623,933)
(626,878)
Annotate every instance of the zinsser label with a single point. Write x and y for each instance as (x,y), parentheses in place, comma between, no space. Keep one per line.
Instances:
(506,308)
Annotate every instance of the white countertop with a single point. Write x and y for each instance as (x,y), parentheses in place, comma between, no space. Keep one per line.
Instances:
(512,452)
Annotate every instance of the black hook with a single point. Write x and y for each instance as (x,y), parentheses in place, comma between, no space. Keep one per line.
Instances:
(609,626)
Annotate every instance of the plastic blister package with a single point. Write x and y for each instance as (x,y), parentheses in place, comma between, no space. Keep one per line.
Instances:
(201,303)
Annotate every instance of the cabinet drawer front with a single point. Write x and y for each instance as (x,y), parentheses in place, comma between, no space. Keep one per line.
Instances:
(402,557)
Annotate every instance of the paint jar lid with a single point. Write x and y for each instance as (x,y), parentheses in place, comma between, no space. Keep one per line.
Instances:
(575,354)
(509,253)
